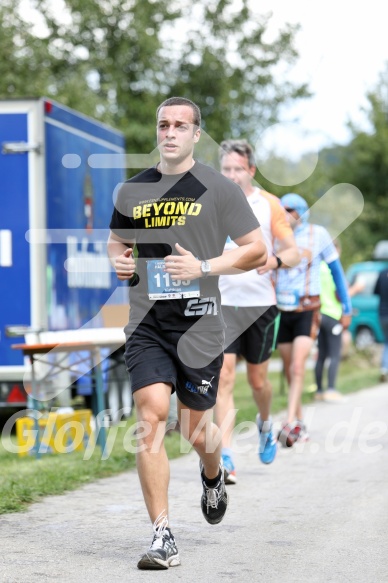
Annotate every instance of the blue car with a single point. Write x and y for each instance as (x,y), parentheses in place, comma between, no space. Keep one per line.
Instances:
(365,327)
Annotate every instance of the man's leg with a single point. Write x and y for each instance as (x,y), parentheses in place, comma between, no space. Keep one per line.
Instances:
(204,435)
(152,406)
(225,414)
(225,401)
(294,358)
(285,351)
(322,354)
(334,342)
(198,428)
(262,394)
(147,358)
(261,387)
(300,350)
(257,348)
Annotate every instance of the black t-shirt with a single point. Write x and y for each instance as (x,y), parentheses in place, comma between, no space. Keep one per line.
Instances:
(197,209)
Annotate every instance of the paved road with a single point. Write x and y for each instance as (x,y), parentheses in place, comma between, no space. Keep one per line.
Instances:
(317,514)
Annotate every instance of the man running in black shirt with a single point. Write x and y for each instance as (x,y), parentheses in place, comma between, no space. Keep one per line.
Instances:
(178,215)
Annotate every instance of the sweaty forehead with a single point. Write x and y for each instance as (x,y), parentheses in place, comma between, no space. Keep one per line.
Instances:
(176,113)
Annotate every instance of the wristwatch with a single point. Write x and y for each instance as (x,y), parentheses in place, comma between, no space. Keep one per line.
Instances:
(280,262)
(205,268)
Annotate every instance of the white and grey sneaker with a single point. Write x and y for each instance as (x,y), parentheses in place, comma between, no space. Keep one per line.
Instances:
(163,552)
(214,501)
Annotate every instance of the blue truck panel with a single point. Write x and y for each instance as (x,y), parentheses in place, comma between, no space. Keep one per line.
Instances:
(67,284)
(74,119)
(14,222)
(79,205)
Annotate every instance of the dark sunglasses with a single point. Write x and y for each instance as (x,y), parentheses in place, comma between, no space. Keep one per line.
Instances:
(289,210)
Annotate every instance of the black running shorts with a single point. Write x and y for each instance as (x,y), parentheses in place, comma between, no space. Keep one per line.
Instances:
(251,332)
(190,361)
(293,324)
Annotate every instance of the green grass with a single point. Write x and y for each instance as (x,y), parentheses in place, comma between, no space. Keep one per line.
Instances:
(24,480)
(356,373)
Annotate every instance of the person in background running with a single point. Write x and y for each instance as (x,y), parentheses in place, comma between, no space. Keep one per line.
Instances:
(298,299)
(330,334)
(249,307)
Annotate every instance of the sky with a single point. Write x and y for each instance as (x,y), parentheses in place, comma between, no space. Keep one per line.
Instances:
(343,48)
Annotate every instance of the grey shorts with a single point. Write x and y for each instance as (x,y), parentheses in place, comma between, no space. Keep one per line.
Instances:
(190,361)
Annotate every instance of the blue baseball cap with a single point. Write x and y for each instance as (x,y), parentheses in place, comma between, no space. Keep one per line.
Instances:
(297,203)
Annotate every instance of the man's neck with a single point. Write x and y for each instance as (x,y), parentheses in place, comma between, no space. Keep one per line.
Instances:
(249,190)
(166,168)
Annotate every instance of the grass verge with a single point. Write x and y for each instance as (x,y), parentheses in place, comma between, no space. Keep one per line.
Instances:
(24,480)
(356,373)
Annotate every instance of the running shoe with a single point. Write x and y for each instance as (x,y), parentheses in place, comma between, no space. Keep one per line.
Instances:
(285,436)
(163,552)
(333,396)
(267,444)
(229,469)
(289,434)
(299,432)
(214,500)
(318,396)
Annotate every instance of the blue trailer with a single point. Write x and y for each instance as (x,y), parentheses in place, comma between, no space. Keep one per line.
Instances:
(55,212)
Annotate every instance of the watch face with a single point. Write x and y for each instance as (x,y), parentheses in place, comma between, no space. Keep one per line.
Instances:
(205,267)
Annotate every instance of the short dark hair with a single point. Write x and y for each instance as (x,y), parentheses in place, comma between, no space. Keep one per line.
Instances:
(182,101)
(241,147)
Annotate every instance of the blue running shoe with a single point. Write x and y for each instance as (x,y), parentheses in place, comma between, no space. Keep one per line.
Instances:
(229,469)
(267,445)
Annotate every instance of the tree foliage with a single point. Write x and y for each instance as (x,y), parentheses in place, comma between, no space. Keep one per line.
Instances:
(117,60)
(229,68)
(24,64)
(364,163)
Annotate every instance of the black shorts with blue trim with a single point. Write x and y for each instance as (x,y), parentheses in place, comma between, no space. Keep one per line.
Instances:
(191,361)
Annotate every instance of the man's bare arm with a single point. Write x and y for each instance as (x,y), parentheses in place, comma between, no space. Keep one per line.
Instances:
(250,254)
(287,252)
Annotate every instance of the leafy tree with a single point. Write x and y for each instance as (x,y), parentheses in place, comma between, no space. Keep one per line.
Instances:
(107,61)
(228,67)
(23,63)
(117,60)
(364,163)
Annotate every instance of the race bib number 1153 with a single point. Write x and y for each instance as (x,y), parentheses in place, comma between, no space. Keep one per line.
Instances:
(162,287)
